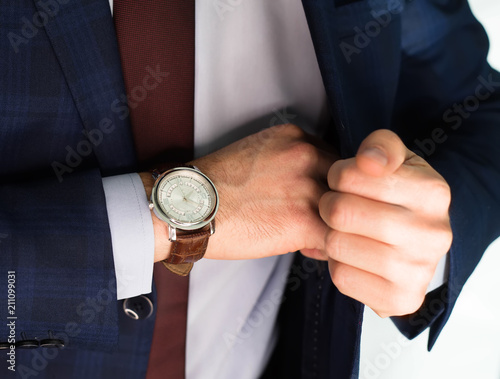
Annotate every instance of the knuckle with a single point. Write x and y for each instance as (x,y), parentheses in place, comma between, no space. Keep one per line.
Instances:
(291,130)
(338,275)
(441,238)
(403,304)
(441,192)
(445,238)
(437,194)
(303,153)
(277,132)
(339,215)
(417,160)
(421,276)
(343,176)
(334,245)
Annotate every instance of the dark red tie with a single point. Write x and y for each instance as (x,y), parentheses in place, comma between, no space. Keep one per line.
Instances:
(156,41)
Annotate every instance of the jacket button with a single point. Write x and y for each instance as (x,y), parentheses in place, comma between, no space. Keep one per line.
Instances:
(25,343)
(52,341)
(138,308)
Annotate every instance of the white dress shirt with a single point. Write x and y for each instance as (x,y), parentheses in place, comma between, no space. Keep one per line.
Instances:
(255,67)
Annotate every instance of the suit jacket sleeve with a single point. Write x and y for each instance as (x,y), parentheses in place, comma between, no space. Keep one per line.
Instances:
(56,239)
(451,96)
(62,127)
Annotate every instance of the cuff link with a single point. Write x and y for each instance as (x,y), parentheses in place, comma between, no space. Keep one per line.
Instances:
(138,308)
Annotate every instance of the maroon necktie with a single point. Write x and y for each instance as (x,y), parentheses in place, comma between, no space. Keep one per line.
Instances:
(156,41)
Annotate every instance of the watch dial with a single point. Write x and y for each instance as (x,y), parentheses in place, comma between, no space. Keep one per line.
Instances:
(186,196)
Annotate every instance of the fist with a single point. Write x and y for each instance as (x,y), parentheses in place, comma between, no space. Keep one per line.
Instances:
(387,214)
(269,184)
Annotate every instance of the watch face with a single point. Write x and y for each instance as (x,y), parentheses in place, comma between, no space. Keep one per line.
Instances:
(186,199)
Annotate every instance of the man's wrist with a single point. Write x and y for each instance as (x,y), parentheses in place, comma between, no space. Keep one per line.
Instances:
(148,182)
(162,243)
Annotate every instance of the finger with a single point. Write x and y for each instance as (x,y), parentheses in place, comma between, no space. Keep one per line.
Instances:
(366,254)
(383,222)
(378,258)
(415,185)
(313,229)
(374,291)
(317,254)
(382,153)
(314,246)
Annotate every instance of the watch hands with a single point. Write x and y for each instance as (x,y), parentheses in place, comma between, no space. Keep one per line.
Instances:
(192,202)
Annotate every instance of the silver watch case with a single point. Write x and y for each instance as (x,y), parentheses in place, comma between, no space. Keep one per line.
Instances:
(175,225)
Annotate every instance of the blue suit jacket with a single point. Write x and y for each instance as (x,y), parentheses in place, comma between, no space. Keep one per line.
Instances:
(403,65)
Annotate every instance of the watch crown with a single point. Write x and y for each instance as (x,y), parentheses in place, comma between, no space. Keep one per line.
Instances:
(151,206)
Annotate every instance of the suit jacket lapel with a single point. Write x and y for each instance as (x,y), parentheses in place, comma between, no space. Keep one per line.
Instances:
(83,37)
(357,44)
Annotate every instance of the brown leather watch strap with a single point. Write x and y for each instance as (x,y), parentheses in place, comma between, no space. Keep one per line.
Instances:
(187,249)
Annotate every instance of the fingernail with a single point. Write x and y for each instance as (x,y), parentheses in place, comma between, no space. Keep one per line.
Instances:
(376,154)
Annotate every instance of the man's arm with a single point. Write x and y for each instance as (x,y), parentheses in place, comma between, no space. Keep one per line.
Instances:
(448,111)
(59,240)
(269,184)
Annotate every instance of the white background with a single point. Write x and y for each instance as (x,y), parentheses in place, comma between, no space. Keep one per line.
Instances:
(469,346)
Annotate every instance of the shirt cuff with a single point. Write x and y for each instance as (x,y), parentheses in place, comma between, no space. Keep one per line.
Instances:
(132,234)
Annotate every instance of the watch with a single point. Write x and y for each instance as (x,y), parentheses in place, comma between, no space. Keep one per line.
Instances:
(187,201)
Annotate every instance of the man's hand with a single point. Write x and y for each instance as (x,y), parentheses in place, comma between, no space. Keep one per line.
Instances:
(269,186)
(388,214)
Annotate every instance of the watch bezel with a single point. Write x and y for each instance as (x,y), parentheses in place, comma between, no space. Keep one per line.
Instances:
(176,224)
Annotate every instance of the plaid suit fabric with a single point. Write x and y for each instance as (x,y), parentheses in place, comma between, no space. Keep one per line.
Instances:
(58,85)
(127,361)
(61,83)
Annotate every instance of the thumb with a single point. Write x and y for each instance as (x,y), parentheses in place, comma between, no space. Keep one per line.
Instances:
(381,153)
